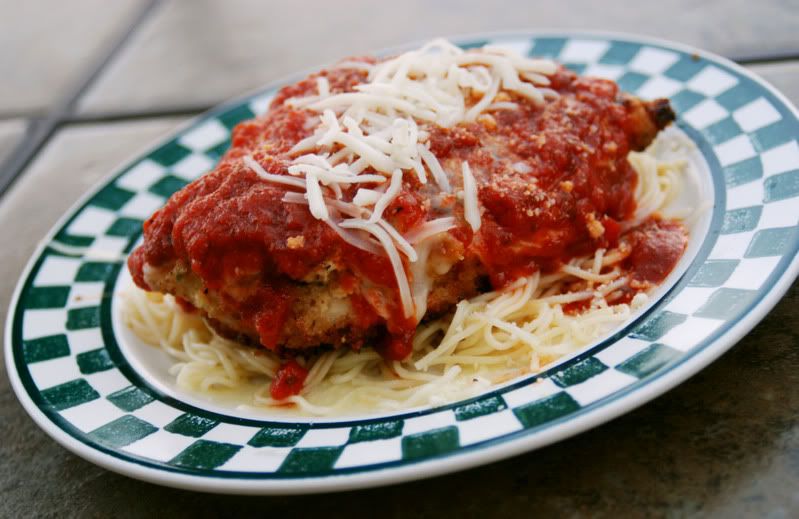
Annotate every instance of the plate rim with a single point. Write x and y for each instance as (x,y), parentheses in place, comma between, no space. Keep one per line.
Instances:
(457,460)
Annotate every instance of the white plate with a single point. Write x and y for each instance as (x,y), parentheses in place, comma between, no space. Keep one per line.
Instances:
(90,386)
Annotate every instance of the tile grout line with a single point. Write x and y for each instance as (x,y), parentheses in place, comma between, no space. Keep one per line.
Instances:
(41,129)
(766,59)
(111,117)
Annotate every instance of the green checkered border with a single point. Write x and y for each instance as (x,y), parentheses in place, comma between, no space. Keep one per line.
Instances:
(66,357)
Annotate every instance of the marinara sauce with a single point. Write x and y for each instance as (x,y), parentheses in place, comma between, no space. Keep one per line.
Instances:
(553,182)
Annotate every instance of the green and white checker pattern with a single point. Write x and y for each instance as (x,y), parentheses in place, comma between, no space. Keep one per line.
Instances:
(64,355)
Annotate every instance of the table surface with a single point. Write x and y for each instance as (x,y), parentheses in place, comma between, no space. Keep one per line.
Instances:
(724,443)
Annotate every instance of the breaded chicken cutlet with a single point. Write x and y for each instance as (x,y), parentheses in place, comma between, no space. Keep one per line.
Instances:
(551,179)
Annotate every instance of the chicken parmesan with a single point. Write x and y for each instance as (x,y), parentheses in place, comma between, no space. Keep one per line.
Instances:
(380,197)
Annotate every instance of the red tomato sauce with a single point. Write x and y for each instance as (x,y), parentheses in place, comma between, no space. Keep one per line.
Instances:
(575,186)
(288,380)
(657,246)
(576,176)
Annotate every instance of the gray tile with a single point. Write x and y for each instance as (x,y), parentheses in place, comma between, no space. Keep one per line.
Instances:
(11,131)
(713,446)
(784,76)
(203,52)
(76,159)
(46,46)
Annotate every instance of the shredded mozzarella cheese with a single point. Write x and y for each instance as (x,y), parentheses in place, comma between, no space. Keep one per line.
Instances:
(471,209)
(366,197)
(278,179)
(388,197)
(373,134)
(393,257)
(430,228)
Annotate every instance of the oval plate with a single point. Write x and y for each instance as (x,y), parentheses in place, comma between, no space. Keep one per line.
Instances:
(68,371)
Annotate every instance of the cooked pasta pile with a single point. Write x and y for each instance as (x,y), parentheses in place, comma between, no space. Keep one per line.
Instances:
(487,340)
